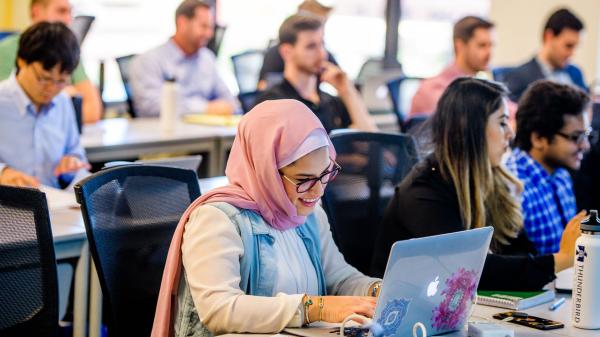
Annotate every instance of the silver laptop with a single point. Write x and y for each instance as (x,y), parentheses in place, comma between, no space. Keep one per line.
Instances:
(431,280)
(185,162)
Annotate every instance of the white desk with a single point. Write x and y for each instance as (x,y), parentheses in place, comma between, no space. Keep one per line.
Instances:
(484,313)
(562,314)
(120,138)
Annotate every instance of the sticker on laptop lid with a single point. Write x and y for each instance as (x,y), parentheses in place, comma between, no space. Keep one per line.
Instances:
(459,290)
(392,315)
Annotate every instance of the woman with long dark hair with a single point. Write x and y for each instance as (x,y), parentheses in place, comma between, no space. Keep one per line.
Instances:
(463,185)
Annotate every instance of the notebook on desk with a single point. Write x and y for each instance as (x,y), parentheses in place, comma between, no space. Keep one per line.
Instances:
(213,120)
(431,280)
(515,300)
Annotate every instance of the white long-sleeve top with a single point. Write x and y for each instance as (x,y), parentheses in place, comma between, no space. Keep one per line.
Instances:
(211,252)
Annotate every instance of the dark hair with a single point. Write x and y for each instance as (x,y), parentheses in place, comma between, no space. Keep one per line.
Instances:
(459,123)
(543,107)
(188,8)
(50,44)
(464,29)
(563,19)
(39,2)
(458,130)
(288,32)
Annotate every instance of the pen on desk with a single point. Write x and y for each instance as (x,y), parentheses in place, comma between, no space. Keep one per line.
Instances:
(557,304)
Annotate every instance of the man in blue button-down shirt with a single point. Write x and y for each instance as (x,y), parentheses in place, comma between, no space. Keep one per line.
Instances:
(184,58)
(552,134)
(39,141)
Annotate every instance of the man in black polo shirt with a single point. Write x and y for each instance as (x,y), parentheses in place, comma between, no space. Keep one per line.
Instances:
(272,69)
(306,65)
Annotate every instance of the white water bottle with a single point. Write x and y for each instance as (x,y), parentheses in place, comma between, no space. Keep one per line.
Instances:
(586,279)
(168,105)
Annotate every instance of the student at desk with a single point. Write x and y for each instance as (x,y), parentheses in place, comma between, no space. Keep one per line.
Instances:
(38,132)
(463,185)
(184,58)
(257,255)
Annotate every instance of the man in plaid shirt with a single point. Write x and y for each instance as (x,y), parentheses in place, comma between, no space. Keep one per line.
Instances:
(552,135)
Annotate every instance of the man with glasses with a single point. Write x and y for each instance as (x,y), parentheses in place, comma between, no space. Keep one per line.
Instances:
(39,140)
(80,85)
(552,136)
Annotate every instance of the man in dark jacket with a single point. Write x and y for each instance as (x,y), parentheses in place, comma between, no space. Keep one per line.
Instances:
(560,38)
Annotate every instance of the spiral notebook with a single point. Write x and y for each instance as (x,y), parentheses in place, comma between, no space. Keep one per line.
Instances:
(515,300)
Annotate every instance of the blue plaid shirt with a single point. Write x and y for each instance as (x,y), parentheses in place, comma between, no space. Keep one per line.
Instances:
(548,201)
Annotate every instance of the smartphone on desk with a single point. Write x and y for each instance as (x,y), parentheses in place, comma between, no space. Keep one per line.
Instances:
(524,319)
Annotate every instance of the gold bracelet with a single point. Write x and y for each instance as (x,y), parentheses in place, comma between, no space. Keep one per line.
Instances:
(321,305)
(307,303)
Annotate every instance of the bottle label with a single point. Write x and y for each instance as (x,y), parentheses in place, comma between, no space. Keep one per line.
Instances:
(578,289)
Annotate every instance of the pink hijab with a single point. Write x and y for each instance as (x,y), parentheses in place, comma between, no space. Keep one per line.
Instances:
(268,135)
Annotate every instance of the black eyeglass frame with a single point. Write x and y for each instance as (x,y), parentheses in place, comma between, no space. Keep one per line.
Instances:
(311,182)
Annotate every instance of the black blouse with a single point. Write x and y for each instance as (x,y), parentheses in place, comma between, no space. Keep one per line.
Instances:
(426,204)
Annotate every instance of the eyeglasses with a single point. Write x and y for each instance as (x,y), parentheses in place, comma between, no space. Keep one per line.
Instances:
(579,137)
(45,81)
(304,185)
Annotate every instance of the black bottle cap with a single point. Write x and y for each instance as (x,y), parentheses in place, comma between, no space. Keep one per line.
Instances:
(591,223)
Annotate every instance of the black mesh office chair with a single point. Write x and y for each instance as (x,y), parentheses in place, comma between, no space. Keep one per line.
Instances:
(499,73)
(28,284)
(123,62)
(401,91)
(78,108)
(130,213)
(81,26)
(215,42)
(246,67)
(372,164)
(248,99)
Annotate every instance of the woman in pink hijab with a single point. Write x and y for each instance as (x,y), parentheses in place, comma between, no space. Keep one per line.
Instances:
(257,255)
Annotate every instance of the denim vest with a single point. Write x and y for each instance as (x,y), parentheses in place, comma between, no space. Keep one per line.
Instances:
(257,267)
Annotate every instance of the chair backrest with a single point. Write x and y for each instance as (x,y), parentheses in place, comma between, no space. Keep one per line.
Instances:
(499,73)
(78,108)
(371,67)
(246,67)
(248,99)
(81,26)
(215,43)
(124,62)
(28,283)
(130,213)
(401,91)
(372,165)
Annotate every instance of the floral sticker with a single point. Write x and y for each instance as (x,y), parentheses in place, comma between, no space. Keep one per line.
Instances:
(458,292)
(392,315)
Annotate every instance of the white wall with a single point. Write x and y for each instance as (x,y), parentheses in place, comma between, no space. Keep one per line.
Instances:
(519,25)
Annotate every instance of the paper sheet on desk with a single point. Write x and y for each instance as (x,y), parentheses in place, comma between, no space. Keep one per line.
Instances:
(63,199)
(59,199)
(564,280)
